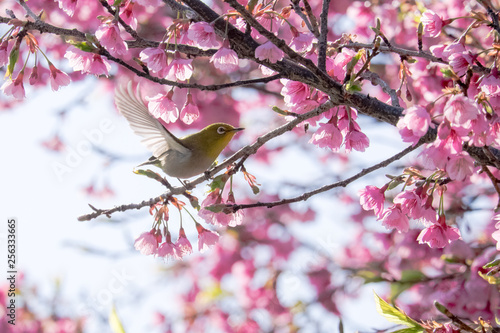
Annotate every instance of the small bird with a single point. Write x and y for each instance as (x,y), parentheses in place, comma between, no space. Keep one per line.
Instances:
(178,157)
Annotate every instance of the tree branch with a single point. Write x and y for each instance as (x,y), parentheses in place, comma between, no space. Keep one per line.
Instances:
(303,197)
(322,41)
(242,153)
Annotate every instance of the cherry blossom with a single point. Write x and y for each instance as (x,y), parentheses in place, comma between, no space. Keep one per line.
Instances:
(203,35)
(147,243)
(225,59)
(108,35)
(439,234)
(161,106)
(269,51)
(432,23)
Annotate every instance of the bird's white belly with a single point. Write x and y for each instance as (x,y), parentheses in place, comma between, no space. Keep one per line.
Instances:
(178,165)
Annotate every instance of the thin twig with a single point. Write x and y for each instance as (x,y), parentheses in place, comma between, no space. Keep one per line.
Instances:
(29,11)
(494,16)
(375,79)
(298,11)
(312,17)
(323,37)
(343,183)
(456,321)
(127,28)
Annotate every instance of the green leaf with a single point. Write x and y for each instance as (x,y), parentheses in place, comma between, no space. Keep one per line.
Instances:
(280,111)
(194,202)
(150,174)
(219,182)
(393,314)
(493,263)
(412,275)
(13,57)
(352,87)
(447,73)
(215,208)
(369,276)
(115,322)
(417,329)
(255,189)
(84,46)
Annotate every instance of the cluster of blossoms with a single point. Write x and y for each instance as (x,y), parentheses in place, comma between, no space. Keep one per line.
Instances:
(214,211)
(158,241)
(415,203)
(10,56)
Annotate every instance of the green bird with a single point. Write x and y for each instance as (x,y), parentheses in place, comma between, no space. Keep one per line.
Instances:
(178,157)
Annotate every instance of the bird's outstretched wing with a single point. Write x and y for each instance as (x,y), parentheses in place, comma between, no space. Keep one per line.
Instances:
(156,137)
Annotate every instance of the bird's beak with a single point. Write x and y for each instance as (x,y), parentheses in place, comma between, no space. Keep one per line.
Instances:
(238,129)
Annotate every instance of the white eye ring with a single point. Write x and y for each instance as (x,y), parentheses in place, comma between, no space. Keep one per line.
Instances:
(221,130)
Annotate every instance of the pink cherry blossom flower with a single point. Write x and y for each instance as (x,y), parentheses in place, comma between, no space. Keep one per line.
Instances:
(496,235)
(190,111)
(302,42)
(327,136)
(127,14)
(268,51)
(58,78)
(4,55)
(77,58)
(417,119)
(356,140)
(108,35)
(433,156)
(155,58)
(68,6)
(180,69)
(54,144)
(490,85)
(432,23)
(460,166)
(87,62)
(236,218)
(203,35)
(394,218)
(294,92)
(161,106)
(219,218)
(460,62)
(183,245)
(451,144)
(147,243)
(373,198)
(439,234)
(410,203)
(14,88)
(206,238)
(460,109)
(167,249)
(406,134)
(225,59)
(98,65)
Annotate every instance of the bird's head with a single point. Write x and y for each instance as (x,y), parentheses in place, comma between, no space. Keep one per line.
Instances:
(213,138)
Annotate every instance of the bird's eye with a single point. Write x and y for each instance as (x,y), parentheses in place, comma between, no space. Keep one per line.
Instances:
(221,130)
